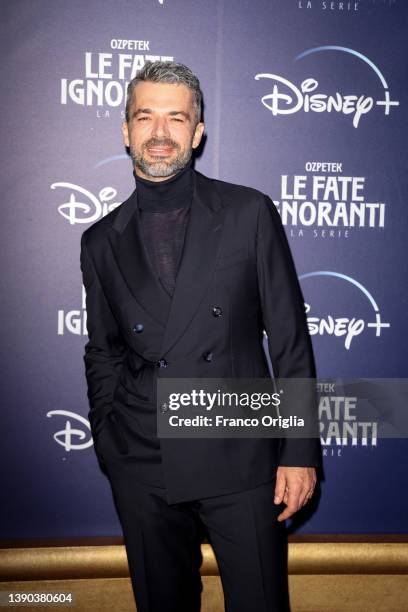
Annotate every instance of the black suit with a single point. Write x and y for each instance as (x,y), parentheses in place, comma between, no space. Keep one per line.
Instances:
(236,279)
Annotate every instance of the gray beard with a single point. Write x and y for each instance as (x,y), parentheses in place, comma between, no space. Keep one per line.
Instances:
(161,168)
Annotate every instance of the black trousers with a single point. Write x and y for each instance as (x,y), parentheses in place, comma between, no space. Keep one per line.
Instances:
(163,547)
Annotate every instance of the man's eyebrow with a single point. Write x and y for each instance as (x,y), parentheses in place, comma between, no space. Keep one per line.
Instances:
(183,113)
(141,110)
(148,111)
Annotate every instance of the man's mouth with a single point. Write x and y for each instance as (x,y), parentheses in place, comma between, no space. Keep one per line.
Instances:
(160,151)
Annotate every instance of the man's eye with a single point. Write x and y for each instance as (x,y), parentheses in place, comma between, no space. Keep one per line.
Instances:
(143,118)
(178,119)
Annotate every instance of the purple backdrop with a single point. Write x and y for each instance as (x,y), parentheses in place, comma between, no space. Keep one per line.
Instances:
(288,85)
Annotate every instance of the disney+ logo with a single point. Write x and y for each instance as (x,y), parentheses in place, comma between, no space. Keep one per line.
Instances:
(286,98)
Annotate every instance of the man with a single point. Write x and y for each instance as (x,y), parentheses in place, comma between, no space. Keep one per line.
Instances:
(181,281)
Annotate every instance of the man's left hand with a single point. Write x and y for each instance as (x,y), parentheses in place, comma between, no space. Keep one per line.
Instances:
(294,487)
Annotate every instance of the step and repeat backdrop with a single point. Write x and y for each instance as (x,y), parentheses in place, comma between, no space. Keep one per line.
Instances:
(304,100)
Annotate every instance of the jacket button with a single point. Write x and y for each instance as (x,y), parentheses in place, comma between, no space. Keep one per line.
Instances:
(208,356)
(217,311)
(138,327)
(162,363)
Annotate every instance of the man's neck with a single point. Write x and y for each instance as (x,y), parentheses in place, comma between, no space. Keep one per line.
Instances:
(175,190)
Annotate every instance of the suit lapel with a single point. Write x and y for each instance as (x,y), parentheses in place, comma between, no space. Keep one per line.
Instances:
(201,246)
(129,248)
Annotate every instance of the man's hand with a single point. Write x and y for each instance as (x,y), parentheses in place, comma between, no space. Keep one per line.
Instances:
(294,487)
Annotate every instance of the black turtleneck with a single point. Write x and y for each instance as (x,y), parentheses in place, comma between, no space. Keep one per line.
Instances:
(163,211)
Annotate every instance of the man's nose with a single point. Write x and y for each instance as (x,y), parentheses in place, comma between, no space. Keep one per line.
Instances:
(160,127)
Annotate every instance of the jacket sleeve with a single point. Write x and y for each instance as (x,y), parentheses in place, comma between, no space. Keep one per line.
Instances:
(105,349)
(284,319)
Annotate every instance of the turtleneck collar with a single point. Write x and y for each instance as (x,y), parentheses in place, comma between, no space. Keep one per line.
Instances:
(169,194)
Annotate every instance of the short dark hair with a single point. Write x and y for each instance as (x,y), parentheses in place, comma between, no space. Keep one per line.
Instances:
(167,72)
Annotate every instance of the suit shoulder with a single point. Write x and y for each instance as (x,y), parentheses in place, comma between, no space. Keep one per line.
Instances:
(235,193)
(98,230)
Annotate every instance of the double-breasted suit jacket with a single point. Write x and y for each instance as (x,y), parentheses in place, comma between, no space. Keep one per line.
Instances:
(235,280)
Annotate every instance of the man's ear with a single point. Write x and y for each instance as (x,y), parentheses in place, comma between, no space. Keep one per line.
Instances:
(125,134)
(198,134)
